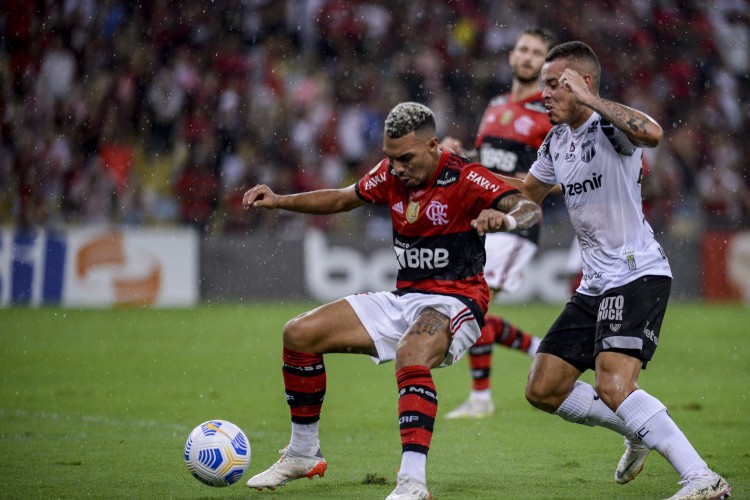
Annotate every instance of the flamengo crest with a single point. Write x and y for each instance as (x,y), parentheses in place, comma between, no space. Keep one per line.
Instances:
(436,212)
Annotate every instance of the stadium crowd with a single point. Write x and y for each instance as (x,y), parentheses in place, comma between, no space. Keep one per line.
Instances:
(156,113)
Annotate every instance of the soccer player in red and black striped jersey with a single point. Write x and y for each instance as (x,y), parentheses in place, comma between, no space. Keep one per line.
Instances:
(513,127)
(441,207)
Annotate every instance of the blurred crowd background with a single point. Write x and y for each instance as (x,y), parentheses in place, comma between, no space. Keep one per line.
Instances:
(157,113)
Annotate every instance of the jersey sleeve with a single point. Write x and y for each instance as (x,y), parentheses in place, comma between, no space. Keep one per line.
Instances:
(373,186)
(618,139)
(480,185)
(542,168)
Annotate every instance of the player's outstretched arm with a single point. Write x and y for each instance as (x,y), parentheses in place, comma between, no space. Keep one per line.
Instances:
(514,212)
(530,186)
(323,201)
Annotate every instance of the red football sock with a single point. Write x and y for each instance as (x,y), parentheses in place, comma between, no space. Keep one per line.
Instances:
(417,407)
(480,358)
(305,384)
(508,334)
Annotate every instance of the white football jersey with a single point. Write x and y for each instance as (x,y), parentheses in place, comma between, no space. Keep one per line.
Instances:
(600,170)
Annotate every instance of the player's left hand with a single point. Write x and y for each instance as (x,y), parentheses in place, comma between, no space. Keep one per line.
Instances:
(489,221)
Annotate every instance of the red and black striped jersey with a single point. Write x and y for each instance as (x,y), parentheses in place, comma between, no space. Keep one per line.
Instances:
(436,248)
(510,134)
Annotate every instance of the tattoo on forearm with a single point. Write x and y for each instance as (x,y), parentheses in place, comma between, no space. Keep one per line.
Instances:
(636,125)
(624,117)
(430,323)
(526,212)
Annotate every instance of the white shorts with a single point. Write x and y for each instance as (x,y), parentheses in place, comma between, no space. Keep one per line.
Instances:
(387,317)
(507,258)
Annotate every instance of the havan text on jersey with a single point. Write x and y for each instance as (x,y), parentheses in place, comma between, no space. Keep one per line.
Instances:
(480,180)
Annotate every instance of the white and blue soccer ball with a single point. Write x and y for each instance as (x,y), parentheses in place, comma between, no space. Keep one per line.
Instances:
(217,453)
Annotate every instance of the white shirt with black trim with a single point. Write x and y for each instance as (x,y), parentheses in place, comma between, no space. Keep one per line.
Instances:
(599,170)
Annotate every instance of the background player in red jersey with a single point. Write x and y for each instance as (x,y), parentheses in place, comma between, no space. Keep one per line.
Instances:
(441,205)
(513,127)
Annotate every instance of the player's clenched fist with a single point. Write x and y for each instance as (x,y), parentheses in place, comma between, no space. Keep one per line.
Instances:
(491,221)
(260,196)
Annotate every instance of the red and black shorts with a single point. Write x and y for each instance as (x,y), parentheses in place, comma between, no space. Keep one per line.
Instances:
(625,319)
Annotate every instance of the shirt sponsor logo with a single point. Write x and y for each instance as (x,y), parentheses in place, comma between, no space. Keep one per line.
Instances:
(481,181)
(447,180)
(610,308)
(649,334)
(374,181)
(582,187)
(436,212)
(422,258)
(591,276)
(570,155)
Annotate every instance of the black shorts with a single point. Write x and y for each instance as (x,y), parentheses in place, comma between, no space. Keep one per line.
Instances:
(626,319)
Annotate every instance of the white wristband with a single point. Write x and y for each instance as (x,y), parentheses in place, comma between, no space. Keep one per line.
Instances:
(510,222)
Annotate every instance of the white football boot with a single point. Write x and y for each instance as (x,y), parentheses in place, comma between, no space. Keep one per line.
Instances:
(704,486)
(631,462)
(409,489)
(473,408)
(288,468)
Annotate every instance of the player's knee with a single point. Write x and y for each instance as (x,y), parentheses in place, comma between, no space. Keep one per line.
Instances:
(612,394)
(540,398)
(297,335)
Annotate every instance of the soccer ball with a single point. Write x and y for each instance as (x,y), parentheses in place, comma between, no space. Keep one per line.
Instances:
(217,453)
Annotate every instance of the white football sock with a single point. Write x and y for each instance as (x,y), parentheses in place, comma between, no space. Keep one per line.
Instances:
(413,464)
(583,406)
(483,395)
(305,440)
(648,418)
(535,341)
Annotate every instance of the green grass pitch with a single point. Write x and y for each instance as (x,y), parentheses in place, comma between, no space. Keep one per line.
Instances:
(99,404)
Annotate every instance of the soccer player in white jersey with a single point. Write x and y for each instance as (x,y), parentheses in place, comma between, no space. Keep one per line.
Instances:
(612,323)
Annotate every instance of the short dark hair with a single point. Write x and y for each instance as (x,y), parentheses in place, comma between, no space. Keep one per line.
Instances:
(542,33)
(581,55)
(409,117)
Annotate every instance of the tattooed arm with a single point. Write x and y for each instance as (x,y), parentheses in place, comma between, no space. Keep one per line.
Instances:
(641,129)
(514,212)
